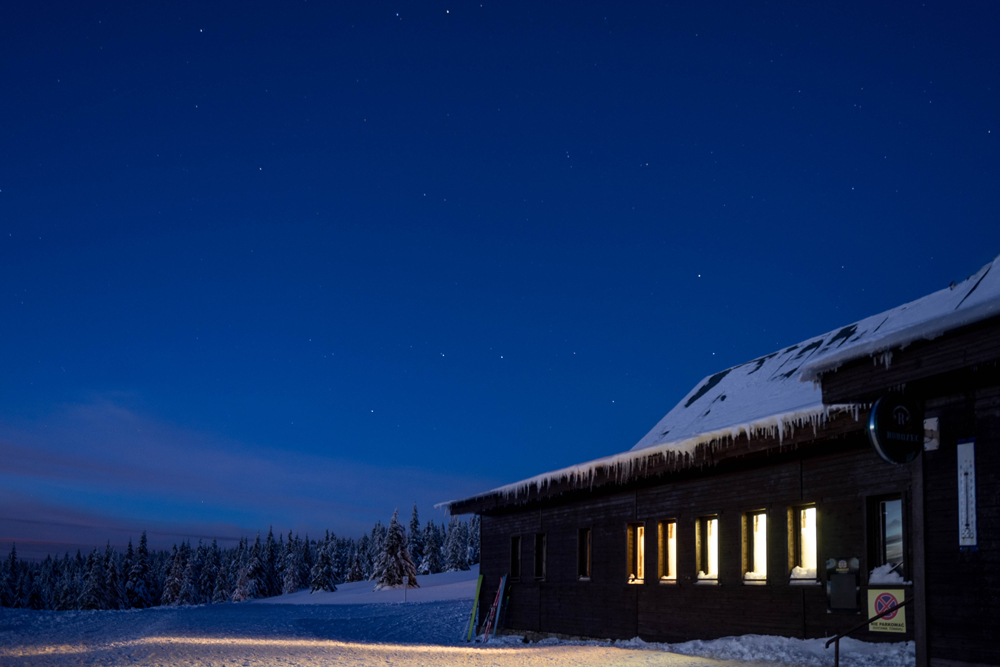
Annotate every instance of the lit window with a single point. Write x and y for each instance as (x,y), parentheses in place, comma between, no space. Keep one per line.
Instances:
(539,556)
(802,547)
(636,553)
(755,555)
(668,551)
(583,554)
(515,558)
(708,549)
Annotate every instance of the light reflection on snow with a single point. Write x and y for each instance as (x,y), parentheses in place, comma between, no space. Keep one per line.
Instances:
(248,642)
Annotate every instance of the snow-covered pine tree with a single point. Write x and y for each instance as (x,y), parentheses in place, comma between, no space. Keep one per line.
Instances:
(137,587)
(34,598)
(323,576)
(67,592)
(113,579)
(432,562)
(474,544)
(416,538)
(375,544)
(94,594)
(175,578)
(49,581)
(364,553)
(189,593)
(6,580)
(306,560)
(220,592)
(394,562)
(160,563)
(291,582)
(356,571)
(251,584)
(456,547)
(342,558)
(269,561)
(210,572)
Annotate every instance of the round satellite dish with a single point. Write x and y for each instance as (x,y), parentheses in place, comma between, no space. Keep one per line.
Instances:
(896,429)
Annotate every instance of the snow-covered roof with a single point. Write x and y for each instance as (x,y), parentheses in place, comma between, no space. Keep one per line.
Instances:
(783,384)
(776,393)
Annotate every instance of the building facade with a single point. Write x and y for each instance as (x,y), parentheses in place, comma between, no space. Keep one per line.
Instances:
(769,501)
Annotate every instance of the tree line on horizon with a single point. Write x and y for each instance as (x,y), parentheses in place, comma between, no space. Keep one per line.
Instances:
(207,574)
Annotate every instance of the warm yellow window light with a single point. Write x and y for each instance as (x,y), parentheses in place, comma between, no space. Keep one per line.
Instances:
(670,572)
(713,548)
(805,569)
(758,549)
(640,544)
(807,523)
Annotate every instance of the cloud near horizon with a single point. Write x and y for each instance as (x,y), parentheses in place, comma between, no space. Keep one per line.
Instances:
(98,471)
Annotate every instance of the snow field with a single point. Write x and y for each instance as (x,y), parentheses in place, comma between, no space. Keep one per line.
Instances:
(367,628)
(433,588)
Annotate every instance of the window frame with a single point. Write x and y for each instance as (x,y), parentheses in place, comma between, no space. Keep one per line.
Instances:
(703,542)
(664,562)
(584,553)
(636,551)
(795,558)
(750,547)
(540,562)
(515,558)
(877,534)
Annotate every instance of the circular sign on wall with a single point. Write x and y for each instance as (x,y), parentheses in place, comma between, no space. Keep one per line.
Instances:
(896,429)
(886,600)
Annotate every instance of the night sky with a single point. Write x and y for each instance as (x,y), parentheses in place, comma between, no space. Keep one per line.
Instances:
(298,264)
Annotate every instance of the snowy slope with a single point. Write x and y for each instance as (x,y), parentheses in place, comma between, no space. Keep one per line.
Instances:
(433,588)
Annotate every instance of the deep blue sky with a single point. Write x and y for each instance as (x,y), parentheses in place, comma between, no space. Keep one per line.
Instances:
(302,263)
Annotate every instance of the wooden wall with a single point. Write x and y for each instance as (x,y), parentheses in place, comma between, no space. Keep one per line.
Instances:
(839,479)
(963,587)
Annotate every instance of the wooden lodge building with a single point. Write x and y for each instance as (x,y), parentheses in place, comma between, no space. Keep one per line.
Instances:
(791,495)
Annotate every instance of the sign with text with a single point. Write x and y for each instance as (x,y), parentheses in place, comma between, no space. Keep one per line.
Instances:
(880,599)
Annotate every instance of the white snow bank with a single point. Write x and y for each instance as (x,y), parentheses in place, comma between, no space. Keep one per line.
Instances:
(885,574)
(433,588)
(791,651)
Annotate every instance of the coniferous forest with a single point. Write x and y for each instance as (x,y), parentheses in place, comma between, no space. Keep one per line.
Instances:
(203,573)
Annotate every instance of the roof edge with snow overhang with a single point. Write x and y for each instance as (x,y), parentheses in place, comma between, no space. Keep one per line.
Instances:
(625,465)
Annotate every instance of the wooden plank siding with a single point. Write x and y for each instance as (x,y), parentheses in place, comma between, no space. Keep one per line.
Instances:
(963,587)
(838,478)
(957,379)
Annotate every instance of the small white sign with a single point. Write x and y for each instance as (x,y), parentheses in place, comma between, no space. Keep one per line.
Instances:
(967,494)
(932,434)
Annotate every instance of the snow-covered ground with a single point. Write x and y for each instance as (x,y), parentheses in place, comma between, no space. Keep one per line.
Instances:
(433,588)
(356,626)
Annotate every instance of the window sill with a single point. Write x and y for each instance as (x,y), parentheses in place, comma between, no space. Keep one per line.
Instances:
(669,581)
(755,582)
(583,578)
(707,582)
(632,582)
(804,582)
